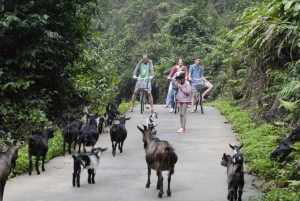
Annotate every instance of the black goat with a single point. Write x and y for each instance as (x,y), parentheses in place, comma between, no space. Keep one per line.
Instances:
(70,135)
(100,120)
(118,134)
(38,146)
(235,178)
(160,156)
(90,162)
(7,163)
(112,111)
(88,134)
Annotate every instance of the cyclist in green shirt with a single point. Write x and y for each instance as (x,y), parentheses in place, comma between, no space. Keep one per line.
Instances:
(145,70)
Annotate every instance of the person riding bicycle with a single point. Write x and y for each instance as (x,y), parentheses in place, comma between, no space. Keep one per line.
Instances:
(196,72)
(145,70)
(177,68)
(183,98)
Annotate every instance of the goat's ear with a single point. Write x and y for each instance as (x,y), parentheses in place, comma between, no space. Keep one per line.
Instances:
(21,146)
(155,125)
(231,146)
(241,146)
(128,118)
(145,127)
(140,129)
(224,157)
(15,142)
(104,149)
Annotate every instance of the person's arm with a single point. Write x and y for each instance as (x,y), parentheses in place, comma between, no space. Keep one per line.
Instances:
(185,72)
(151,69)
(202,76)
(186,88)
(136,69)
(173,71)
(190,73)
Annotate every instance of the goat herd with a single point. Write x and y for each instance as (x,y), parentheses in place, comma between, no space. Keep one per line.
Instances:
(160,155)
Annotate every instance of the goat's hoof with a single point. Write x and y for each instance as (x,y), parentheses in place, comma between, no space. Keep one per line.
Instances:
(38,173)
(43,170)
(160,195)
(147,185)
(93,182)
(89,181)
(169,193)
(29,173)
(157,187)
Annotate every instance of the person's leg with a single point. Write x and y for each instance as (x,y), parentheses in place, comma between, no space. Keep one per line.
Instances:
(193,101)
(150,98)
(172,99)
(134,95)
(184,108)
(169,95)
(209,87)
(181,117)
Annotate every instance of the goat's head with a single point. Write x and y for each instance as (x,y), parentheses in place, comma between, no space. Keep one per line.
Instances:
(12,150)
(87,109)
(113,107)
(236,148)
(49,132)
(226,160)
(147,135)
(4,135)
(123,119)
(98,151)
(154,115)
(238,158)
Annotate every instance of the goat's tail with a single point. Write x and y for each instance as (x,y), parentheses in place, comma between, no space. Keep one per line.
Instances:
(171,158)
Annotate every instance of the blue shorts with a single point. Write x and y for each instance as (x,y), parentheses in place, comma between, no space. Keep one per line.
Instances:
(136,87)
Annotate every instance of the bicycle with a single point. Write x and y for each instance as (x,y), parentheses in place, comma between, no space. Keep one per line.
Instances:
(142,87)
(199,85)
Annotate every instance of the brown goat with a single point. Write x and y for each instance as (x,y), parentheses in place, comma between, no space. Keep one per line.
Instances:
(235,178)
(160,156)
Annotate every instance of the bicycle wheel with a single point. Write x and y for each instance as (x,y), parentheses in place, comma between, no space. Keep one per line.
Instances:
(142,101)
(175,108)
(201,103)
(197,101)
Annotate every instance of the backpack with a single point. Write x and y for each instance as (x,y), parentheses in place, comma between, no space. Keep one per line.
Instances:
(167,72)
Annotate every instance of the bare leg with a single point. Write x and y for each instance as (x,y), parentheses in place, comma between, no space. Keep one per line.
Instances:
(150,97)
(193,100)
(134,95)
(209,88)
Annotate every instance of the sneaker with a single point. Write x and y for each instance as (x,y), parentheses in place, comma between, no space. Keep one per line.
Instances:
(183,130)
(180,130)
(171,110)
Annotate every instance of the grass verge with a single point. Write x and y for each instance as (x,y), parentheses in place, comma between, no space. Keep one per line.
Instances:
(280,180)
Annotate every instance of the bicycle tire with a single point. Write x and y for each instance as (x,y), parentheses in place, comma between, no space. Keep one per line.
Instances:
(201,104)
(197,101)
(142,101)
(175,108)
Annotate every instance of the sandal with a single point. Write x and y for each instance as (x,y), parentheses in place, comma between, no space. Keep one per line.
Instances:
(152,111)
(130,110)
(192,111)
(166,105)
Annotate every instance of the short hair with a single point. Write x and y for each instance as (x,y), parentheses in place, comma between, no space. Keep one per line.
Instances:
(144,54)
(197,58)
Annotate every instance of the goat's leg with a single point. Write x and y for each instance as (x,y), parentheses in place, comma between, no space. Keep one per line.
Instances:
(93,175)
(230,194)
(30,164)
(70,144)
(114,146)
(121,147)
(84,150)
(37,159)
(2,189)
(79,146)
(169,182)
(43,162)
(89,175)
(75,142)
(78,179)
(74,178)
(241,186)
(148,181)
(161,179)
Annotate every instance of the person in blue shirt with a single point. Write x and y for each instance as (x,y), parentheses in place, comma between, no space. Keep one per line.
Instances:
(196,72)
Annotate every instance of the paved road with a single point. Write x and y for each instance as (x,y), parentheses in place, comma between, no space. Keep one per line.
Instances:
(198,173)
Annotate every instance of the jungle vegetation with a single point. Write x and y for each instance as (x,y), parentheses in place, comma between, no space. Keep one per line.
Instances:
(57,56)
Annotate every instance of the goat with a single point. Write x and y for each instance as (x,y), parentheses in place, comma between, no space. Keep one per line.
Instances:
(112,111)
(38,146)
(88,134)
(150,122)
(235,178)
(4,135)
(118,134)
(7,163)
(238,157)
(160,156)
(90,162)
(70,134)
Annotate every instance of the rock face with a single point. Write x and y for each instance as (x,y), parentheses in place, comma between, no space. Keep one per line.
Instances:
(283,150)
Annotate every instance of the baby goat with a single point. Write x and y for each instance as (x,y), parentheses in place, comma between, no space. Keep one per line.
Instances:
(90,162)
(38,146)
(7,163)
(150,123)
(235,178)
